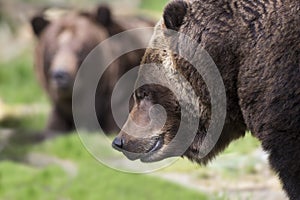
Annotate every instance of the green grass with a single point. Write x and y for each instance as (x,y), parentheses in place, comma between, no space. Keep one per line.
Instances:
(91,181)
(31,122)
(154,5)
(18,83)
(232,154)
(244,145)
(22,93)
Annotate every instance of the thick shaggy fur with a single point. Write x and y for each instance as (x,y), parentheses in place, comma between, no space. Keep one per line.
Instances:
(76,34)
(256,47)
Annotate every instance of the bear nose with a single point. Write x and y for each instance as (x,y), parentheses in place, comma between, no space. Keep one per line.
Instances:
(118,143)
(61,77)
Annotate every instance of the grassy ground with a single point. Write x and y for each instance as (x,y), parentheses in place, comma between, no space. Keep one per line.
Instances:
(21,93)
(156,5)
(18,83)
(65,170)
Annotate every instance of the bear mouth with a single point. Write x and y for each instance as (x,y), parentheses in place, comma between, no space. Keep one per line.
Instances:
(151,155)
(159,142)
(147,155)
(62,86)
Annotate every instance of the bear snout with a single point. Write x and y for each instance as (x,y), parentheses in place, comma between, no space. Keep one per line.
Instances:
(62,79)
(118,143)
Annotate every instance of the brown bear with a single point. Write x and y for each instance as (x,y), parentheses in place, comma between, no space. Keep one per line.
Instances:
(256,48)
(63,44)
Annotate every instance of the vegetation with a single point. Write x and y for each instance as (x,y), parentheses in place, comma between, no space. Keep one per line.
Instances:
(156,5)
(18,83)
(69,172)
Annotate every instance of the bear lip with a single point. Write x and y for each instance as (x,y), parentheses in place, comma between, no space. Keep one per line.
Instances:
(156,146)
(147,157)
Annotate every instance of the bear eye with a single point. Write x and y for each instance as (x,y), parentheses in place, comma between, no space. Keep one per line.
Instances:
(141,94)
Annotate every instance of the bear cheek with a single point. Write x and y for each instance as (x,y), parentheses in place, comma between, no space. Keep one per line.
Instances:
(139,123)
(140,114)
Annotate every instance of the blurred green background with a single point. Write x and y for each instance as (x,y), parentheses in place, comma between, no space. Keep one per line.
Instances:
(62,169)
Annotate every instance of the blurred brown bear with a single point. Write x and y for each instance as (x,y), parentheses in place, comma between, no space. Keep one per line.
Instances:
(63,44)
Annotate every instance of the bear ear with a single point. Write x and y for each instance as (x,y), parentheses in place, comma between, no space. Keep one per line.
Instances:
(103,15)
(39,23)
(174,14)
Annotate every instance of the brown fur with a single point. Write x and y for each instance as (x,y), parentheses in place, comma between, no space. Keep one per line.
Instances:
(64,44)
(256,47)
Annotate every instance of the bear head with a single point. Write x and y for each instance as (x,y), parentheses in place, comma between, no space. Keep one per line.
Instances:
(149,132)
(63,44)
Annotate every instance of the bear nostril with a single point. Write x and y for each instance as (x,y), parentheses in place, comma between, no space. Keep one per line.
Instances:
(118,143)
(61,77)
